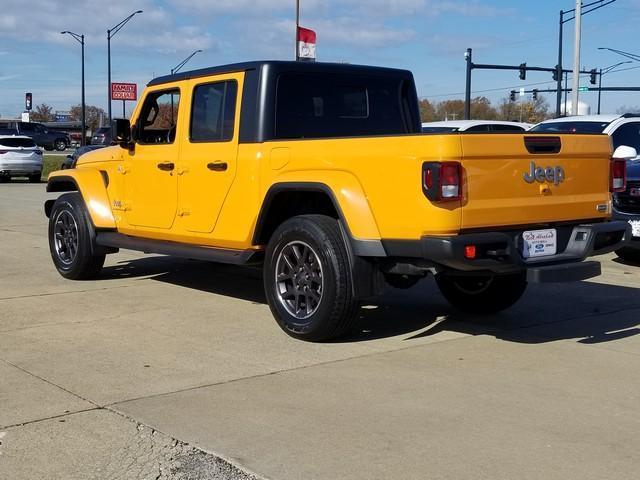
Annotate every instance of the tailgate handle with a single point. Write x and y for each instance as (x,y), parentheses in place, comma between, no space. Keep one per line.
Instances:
(541,145)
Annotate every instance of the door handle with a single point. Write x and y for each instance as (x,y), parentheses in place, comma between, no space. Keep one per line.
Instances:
(217,166)
(166,166)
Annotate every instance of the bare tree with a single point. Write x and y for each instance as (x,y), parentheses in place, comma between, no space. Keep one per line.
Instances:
(93,115)
(43,113)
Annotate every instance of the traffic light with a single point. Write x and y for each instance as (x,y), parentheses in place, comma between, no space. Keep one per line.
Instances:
(592,76)
(512,96)
(535,93)
(523,71)
(28,101)
(555,73)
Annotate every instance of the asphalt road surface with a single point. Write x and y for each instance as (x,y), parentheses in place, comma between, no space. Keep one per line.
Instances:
(174,369)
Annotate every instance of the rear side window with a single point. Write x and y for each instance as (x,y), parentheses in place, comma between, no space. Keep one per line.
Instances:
(627,134)
(321,106)
(439,129)
(478,128)
(506,128)
(17,142)
(213,112)
(571,127)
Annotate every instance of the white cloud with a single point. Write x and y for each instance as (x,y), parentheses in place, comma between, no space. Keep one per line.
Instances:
(154,29)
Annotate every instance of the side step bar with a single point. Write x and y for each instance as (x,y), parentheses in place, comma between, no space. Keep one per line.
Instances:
(196,252)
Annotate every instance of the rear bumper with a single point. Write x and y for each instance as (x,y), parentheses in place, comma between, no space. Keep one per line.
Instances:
(500,252)
(20,167)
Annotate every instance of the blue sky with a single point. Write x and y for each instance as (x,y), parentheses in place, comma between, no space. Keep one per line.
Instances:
(426,36)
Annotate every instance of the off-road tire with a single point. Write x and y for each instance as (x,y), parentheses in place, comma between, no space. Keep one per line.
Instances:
(80,262)
(337,309)
(482,294)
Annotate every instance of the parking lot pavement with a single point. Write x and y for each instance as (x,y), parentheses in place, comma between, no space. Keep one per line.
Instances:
(162,351)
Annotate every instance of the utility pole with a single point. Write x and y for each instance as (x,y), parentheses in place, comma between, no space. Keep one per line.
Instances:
(467,92)
(576,58)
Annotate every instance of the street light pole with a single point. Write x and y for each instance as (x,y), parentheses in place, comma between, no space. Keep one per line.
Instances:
(604,71)
(184,62)
(467,91)
(110,34)
(559,67)
(599,90)
(297,27)
(80,39)
(576,59)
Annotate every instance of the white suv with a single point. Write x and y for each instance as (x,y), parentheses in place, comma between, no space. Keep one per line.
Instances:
(19,157)
(624,131)
(474,126)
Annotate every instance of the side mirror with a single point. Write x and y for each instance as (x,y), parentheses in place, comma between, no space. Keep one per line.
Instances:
(121,132)
(624,152)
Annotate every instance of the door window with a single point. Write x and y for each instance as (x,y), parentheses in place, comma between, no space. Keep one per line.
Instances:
(213,112)
(158,118)
(627,134)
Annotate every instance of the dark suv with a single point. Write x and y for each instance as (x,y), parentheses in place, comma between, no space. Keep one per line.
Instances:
(102,136)
(43,137)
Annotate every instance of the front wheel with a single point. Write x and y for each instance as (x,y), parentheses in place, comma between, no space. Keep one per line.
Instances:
(482,294)
(71,239)
(35,178)
(307,279)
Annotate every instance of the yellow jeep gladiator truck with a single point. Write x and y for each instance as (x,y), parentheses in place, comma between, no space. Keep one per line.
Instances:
(320,174)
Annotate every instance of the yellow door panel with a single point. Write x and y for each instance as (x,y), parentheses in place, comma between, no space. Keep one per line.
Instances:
(208,160)
(151,186)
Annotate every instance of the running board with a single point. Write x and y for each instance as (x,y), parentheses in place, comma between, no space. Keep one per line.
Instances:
(196,252)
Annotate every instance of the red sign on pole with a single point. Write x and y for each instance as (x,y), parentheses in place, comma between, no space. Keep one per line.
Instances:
(124,91)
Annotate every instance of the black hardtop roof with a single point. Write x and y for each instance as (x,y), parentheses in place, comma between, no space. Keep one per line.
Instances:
(280,65)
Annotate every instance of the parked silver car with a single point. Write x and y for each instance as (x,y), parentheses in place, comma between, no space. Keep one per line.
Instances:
(20,157)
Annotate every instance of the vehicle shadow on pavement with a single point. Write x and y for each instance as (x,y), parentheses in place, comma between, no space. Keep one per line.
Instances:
(585,311)
(629,263)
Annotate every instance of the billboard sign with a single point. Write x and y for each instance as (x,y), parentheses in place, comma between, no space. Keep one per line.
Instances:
(124,91)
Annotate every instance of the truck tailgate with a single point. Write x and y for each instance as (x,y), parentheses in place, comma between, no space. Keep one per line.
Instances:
(521,179)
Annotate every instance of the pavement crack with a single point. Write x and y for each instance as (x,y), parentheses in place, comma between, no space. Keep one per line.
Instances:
(52,417)
(51,383)
(89,290)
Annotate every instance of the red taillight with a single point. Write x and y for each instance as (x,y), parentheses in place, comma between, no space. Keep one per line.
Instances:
(442,181)
(470,252)
(618,177)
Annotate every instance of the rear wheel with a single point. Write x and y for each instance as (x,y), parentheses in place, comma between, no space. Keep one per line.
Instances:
(307,279)
(71,239)
(35,178)
(482,294)
(60,145)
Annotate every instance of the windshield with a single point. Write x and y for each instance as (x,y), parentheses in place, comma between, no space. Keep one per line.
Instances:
(571,127)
